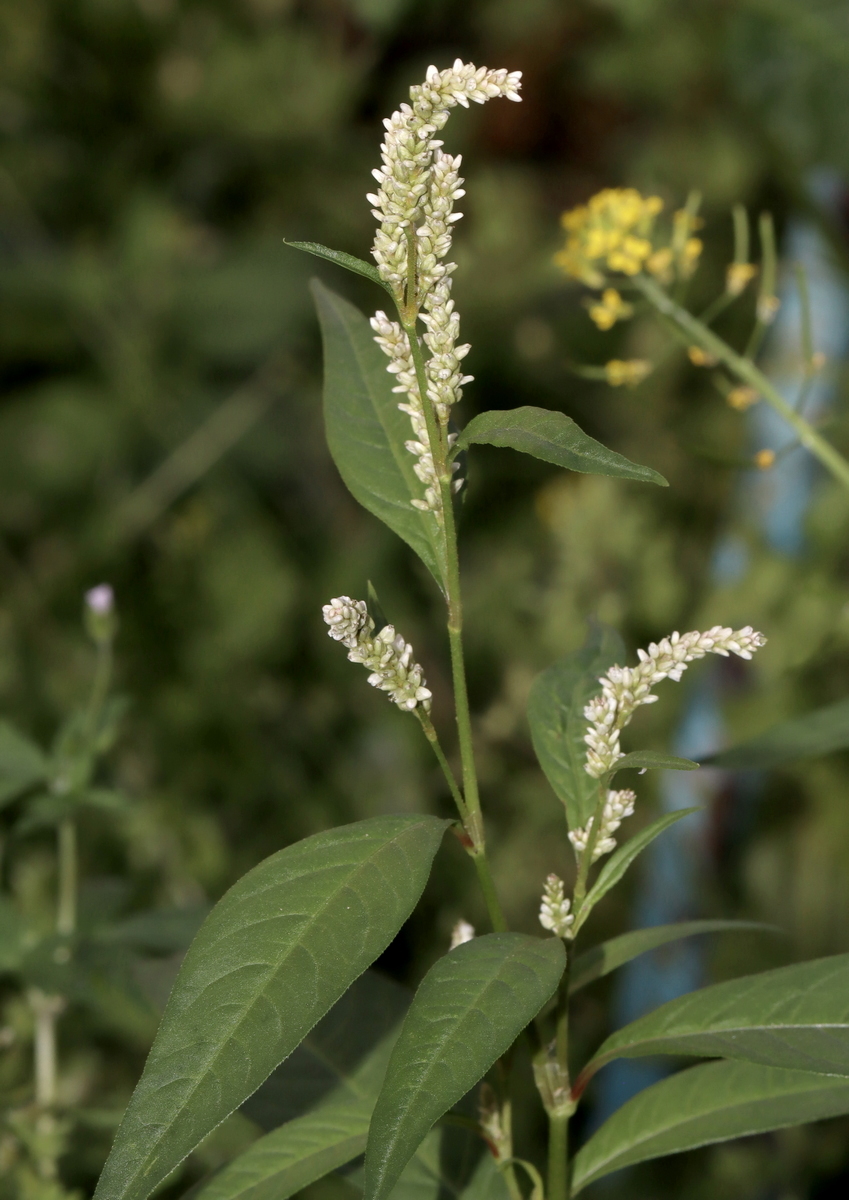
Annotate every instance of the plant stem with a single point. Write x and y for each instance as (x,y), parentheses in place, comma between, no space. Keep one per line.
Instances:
(430,734)
(473,818)
(66,906)
(747,372)
(558,1121)
(46,1010)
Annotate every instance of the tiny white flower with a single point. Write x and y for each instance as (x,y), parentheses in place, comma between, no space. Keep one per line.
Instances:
(554,911)
(462,932)
(100,600)
(386,655)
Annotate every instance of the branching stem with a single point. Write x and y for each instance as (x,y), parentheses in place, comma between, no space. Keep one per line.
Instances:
(747,372)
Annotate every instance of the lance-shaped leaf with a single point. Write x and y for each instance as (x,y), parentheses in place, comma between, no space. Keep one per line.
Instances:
(615,952)
(816,733)
(795,1017)
(366,431)
(556,716)
(712,1102)
(555,438)
(618,864)
(653,760)
(451,1162)
(340,259)
(311,1144)
(272,957)
(469,1009)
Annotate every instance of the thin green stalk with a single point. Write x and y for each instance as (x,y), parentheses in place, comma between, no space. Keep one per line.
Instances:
(747,372)
(473,819)
(430,734)
(587,857)
(558,1120)
(100,684)
(66,905)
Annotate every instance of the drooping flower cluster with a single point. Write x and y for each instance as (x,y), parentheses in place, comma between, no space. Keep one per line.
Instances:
(625,689)
(418,184)
(617,806)
(385,654)
(554,911)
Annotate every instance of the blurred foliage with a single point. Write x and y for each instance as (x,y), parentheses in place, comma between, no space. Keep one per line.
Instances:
(160,428)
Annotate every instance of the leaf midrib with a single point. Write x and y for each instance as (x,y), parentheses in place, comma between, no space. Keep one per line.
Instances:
(257,994)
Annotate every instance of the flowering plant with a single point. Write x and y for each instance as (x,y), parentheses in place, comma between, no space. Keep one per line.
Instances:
(279,968)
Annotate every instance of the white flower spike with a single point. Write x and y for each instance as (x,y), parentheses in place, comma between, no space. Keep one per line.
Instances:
(385,654)
(554,911)
(415,207)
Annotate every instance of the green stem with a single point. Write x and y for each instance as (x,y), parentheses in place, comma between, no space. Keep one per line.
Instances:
(558,1122)
(66,906)
(747,372)
(430,734)
(473,819)
(99,685)
(587,857)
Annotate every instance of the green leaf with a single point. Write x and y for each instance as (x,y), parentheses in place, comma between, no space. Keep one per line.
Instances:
(269,961)
(366,431)
(816,733)
(620,861)
(708,1103)
(311,1144)
(615,952)
(469,1009)
(555,438)
(22,764)
(556,716)
(335,1052)
(795,1017)
(653,760)
(448,1164)
(296,1154)
(341,259)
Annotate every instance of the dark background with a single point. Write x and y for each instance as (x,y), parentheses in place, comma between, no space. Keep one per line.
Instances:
(160,428)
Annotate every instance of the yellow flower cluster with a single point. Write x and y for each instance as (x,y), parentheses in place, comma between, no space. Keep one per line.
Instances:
(613,230)
(610,309)
(626,372)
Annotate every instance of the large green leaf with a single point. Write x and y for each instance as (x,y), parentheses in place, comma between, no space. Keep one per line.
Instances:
(618,864)
(795,1017)
(309,1145)
(469,1009)
(555,438)
(366,431)
(22,763)
(615,952)
(450,1163)
(337,1051)
(816,733)
(556,715)
(269,961)
(708,1103)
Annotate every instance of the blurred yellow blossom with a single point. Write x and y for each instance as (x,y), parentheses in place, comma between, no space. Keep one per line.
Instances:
(700,358)
(738,276)
(764,459)
(612,230)
(626,372)
(742,398)
(610,309)
(686,248)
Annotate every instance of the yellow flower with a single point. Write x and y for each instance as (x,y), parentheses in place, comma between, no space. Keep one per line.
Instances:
(742,398)
(738,277)
(660,264)
(685,248)
(626,372)
(613,230)
(610,309)
(767,307)
(700,358)
(764,459)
